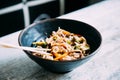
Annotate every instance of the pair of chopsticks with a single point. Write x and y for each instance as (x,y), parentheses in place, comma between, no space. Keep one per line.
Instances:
(32,49)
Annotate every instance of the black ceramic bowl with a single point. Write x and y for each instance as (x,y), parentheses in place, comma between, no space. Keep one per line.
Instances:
(37,31)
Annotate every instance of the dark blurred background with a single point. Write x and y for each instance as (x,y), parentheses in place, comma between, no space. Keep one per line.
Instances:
(12,14)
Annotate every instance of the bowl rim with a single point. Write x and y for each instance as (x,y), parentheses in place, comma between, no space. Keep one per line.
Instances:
(38,22)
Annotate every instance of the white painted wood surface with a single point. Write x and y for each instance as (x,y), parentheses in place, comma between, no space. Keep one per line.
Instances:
(104,16)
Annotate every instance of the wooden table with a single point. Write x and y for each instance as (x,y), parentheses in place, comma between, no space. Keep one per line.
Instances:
(104,16)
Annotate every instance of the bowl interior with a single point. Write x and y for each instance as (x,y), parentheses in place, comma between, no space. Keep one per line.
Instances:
(41,30)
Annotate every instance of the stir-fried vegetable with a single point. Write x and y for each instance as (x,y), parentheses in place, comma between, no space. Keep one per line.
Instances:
(64,45)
